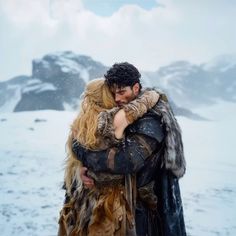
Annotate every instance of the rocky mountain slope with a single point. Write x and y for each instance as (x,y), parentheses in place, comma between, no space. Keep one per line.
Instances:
(58,80)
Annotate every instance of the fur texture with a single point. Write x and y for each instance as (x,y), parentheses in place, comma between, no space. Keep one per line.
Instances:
(133,110)
(106,211)
(100,212)
(72,169)
(173,158)
(139,106)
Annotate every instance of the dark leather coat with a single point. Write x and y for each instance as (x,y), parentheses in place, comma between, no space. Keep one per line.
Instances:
(141,153)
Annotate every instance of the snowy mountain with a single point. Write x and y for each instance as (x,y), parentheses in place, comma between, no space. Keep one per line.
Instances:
(58,79)
(57,82)
(221,63)
(192,85)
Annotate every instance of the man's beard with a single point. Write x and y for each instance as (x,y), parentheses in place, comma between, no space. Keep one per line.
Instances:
(120,104)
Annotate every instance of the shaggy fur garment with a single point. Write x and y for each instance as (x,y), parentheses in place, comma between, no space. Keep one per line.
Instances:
(173,158)
(101,211)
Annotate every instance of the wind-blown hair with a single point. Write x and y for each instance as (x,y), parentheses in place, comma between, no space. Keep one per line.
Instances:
(97,98)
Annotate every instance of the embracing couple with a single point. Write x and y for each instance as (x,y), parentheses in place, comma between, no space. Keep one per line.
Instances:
(125,157)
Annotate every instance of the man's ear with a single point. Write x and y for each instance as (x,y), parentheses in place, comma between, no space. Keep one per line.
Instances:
(136,89)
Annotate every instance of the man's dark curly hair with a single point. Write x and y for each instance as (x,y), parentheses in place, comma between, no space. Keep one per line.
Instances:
(122,75)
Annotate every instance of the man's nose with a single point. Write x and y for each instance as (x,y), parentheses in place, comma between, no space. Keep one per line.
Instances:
(117,98)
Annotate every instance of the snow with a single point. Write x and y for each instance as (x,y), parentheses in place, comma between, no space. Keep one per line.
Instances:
(31,171)
(45,64)
(38,87)
(85,75)
(228,67)
(13,99)
(221,63)
(72,105)
(168,78)
(208,189)
(175,73)
(33,81)
(68,64)
(32,153)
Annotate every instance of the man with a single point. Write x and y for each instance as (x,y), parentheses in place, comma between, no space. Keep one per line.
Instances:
(151,156)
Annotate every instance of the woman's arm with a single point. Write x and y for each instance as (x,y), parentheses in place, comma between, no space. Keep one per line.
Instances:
(133,110)
(141,142)
(120,123)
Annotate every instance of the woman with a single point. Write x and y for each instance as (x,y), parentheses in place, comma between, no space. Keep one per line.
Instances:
(102,210)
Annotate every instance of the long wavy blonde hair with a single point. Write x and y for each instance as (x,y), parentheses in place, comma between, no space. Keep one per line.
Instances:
(97,98)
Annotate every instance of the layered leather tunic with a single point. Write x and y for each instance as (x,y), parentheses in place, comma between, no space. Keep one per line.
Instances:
(158,204)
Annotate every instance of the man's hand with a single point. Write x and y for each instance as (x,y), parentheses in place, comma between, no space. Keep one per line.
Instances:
(88,182)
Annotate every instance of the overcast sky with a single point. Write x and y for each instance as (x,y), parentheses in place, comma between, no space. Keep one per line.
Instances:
(144,32)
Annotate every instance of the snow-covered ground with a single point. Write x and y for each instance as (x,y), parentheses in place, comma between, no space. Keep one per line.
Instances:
(32,152)
(208,188)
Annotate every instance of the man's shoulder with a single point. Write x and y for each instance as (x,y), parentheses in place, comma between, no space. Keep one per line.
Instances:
(150,124)
(150,117)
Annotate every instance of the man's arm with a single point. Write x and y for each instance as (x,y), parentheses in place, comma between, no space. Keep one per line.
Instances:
(142,141)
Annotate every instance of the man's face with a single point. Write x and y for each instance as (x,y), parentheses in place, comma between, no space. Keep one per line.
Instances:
(125,94)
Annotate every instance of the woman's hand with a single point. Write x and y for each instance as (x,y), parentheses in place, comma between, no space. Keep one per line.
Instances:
(88,182)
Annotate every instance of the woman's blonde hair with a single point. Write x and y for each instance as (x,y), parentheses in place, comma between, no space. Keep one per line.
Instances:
(97,98)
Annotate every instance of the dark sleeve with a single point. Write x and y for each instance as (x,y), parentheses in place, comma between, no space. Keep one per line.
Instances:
(140,143)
